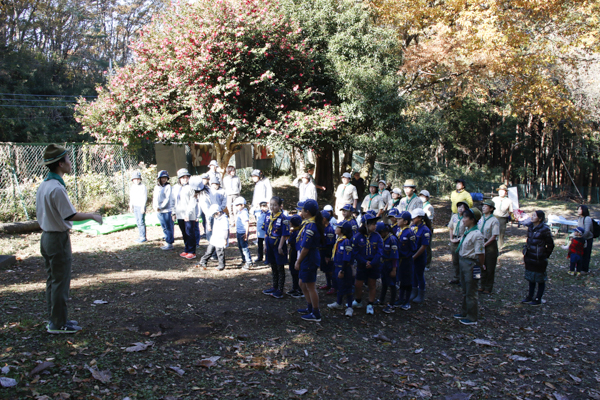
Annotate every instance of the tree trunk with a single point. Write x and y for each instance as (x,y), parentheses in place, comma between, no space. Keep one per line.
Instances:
(366,171)
(347,162)
(300,162)
(323,167)
(293,170)
(336,166)
(225,152)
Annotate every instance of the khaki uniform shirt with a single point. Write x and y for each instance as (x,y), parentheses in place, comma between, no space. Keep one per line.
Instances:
(53,207)
(414,203)
(345,194)
(472,246)
(503,206)
(452,226)
(377,203)
(489,227)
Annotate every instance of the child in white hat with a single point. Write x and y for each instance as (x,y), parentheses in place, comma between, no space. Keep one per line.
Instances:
(138,196)
(242,231)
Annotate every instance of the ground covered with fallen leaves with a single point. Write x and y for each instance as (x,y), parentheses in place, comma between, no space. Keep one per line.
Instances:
(156,326)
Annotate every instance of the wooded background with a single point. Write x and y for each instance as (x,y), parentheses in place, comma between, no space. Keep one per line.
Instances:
(505,91)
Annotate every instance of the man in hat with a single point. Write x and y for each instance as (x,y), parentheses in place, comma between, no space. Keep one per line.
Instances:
(502,211)
(460,194)
(56,215)
(489,227)
(345,194)
(306,187)
(411,201)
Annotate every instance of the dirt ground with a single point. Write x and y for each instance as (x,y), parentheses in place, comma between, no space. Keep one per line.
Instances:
(212,334)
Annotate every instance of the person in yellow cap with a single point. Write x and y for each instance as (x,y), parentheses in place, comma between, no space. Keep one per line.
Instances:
(490,228)
(460,194)
(411,201)
(471,255)
(502,211)
(56,215)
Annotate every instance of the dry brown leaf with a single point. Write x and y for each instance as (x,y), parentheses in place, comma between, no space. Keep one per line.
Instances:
(102,376)
(40,367)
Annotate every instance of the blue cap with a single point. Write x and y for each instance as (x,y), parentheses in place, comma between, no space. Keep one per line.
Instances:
(406,215)
(382,226)
(370,217)
(347,207)
(394,213)
(136,175)
(326,215)
(371,212)
(299,205)
(198,186)
(163,174)
(311,206)
(296,220)
(580,230)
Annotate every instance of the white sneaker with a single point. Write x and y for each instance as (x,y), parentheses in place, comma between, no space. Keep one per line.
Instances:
(349,312)
(168,246)
(335,306)
(370,309)
(356,304)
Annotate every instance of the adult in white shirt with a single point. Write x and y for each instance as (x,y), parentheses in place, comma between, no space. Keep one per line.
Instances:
(306,187)
(502,211)
(373,201)
(262,191)
(138,197)
(345,194)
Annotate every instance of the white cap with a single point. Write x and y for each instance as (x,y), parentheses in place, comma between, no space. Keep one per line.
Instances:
(424,193)
(347,175)
(382,181)
(213,162)
(327,208)
(214,208)
(397,191)
(417,212)
(239,200)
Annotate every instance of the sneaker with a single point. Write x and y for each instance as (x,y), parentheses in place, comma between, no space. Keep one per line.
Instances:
(571,273)
(335,306)
(388,309)
(324,287)
(526,300)
(65,329)
(378,303)
(168,246)
(331,292)
(297,294)
(246,267)
(201,265)
(349,312)
(398,302)
(258,260)
(467,321)
(220,267)
(454,282)
(70,322)
(459,316)
(290,292)
(356,304)
(535,303)
(304,311)
(141,240)
(184,254)
(277,294)
(311,318)
(370,309)
(405,307)
(190,256)
(269,291)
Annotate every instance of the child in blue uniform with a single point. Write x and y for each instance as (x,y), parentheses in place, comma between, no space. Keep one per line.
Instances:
(325,251)
(347,213)
(261,217)
(343,261)
(277,232)
(393,216)
(367,248)
(295,224)
(423,234)
(309,259)
(389,266)
(407,246)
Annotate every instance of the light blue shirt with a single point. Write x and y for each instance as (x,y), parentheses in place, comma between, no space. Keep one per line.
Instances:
(243,219)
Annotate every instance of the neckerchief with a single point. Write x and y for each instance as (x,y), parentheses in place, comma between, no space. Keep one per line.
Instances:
(335,246)
(395,202)
(400,230)
(272,218)
(427,203)
(484,221)
(344,189)
(464,237)
(457,227)
(371,197)
(368,244)
(52,175)
(304,223)
(414,195)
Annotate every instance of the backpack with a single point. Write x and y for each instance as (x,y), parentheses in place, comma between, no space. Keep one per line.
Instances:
(595,228)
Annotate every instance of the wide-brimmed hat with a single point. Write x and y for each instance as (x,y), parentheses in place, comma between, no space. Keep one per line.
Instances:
(489,203)
(476,213)
(502,187)
(410,183)
(52,154)
(183,172)
(136,175)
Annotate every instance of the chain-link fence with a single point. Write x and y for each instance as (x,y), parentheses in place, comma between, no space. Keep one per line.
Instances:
(99,178)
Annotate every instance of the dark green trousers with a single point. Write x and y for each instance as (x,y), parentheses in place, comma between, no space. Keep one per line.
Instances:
(469,285)
(455,263)
(503,221)
(491,259)
(56,250)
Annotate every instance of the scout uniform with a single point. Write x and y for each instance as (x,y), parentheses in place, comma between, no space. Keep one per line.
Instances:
(460,195)
(489,226)
(54,209)
(309,238)
(470,246)
(343,261)
(385,195)
(407,246)
(276,227)
(326,249)
(389,260)
(345,194)
(423,238)
(429,211)
(457,228)
(373,201)
(412,203)
(502,209)
(367,248)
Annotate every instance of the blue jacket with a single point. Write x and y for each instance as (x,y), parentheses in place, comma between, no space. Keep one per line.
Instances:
(367,248)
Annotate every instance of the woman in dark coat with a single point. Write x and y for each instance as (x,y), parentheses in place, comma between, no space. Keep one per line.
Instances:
(536,252)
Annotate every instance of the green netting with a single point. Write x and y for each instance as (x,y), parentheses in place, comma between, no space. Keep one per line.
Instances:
(113,224)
